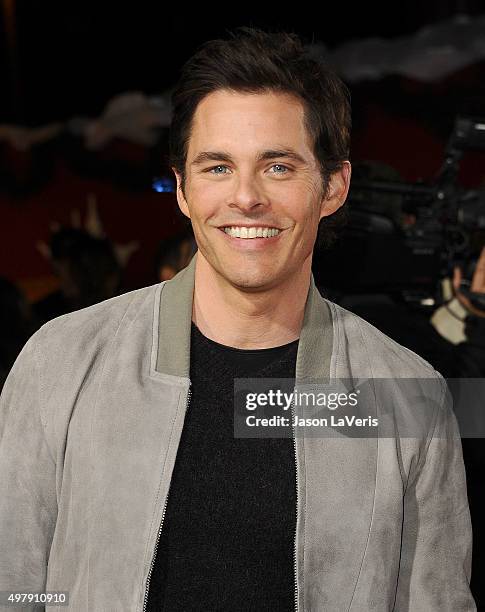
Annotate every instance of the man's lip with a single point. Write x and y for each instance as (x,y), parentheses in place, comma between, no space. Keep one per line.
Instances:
(254,244)
(248,225)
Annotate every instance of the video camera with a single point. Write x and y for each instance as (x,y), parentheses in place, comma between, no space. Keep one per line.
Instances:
(403,238)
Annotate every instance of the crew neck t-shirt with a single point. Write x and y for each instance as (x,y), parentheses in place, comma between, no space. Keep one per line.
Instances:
(227,539)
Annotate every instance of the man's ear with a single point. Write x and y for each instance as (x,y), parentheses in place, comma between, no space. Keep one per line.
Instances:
(182,202)
(337,190)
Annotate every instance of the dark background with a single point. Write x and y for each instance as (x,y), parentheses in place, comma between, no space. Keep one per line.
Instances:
(60,60)
(72,56)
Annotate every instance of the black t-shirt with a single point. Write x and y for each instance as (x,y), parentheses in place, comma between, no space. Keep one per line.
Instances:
(227,540)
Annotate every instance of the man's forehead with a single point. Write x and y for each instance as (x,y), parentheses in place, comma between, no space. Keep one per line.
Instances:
(226,121)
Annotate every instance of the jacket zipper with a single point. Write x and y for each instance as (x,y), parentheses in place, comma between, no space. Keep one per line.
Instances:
(293,412)
(147,587)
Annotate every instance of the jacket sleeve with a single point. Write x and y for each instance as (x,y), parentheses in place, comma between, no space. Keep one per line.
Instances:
(435,565)
(28,501)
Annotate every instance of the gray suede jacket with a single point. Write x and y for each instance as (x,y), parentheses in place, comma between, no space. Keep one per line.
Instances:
(90,421)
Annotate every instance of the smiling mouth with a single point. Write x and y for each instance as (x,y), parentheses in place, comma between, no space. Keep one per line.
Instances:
(250,232)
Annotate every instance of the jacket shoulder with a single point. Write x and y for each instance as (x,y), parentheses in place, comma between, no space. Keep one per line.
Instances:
(96,322)
(386,357)
(72,344)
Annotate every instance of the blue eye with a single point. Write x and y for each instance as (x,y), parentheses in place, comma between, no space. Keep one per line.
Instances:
(280,166)
(215,168)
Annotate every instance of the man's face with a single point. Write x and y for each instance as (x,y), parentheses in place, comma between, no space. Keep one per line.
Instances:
(250,164)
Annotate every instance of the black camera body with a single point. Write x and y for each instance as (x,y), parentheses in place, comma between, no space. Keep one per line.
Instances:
(402,238)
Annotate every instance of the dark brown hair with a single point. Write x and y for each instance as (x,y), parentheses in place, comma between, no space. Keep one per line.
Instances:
(255,61)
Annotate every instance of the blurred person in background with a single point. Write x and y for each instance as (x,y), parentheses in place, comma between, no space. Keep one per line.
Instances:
(16,325)
(88,272)
(174,254)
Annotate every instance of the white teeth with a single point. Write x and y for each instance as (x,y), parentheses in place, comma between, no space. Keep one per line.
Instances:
(252,232)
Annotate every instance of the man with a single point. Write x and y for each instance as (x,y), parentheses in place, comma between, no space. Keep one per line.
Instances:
(88,270)
(174,254)
(126,484)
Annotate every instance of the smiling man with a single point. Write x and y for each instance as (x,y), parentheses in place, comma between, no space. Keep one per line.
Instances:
(124,482)
(255,195)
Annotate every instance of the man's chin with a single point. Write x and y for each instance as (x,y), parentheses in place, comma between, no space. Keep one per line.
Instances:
(242,273)
(251,282)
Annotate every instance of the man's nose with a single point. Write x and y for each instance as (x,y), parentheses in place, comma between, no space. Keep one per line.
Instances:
(248,192)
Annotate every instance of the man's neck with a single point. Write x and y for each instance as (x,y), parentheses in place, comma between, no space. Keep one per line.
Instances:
(248,320)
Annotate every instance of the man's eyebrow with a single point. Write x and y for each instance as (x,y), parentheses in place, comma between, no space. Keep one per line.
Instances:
(287,153)
(205,156)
